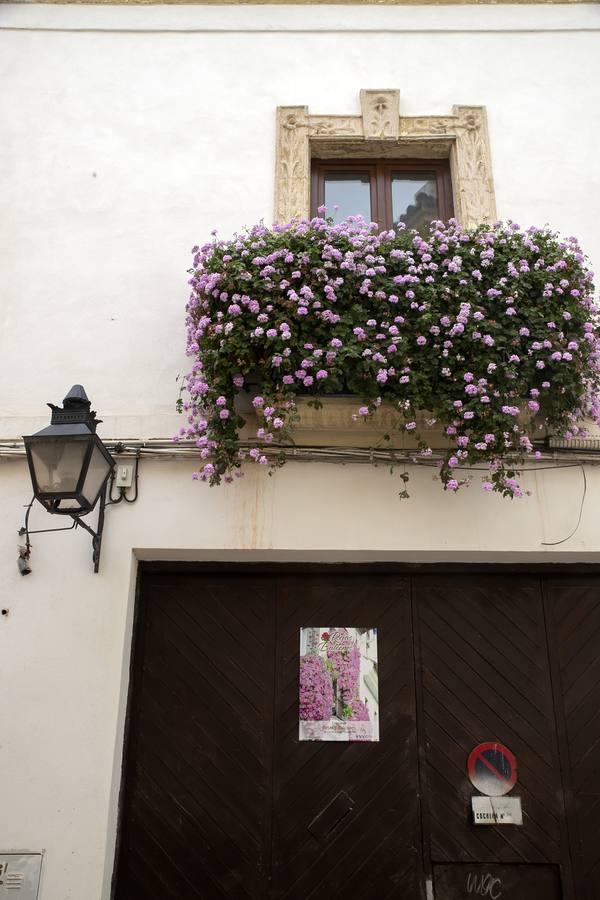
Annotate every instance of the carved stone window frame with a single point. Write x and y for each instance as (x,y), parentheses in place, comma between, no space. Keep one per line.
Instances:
(380,131)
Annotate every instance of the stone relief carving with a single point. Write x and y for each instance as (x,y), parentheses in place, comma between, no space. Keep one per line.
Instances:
(380,114)
(380,130)
(292,181)
(413,125)
(474,198)
(330,126)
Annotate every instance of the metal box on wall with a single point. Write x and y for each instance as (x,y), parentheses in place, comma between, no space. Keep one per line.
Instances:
(20,875)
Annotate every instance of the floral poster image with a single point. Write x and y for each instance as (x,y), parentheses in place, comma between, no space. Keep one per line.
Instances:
(339,687)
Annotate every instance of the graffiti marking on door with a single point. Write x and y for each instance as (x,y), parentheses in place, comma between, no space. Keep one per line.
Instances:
(485,885)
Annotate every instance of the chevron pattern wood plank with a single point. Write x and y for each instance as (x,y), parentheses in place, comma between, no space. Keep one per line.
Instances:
(574,614)
(197,809)
(486,678)
(374,852)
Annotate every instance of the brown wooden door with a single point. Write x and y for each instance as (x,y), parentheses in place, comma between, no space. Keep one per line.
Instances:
(197,801)
(221,800)
(374,851)
(220,797)
(485,673)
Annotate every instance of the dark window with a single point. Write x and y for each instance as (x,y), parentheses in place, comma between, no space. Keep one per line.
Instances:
(412,191)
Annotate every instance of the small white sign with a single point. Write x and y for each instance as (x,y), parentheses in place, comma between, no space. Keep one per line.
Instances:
(497,810)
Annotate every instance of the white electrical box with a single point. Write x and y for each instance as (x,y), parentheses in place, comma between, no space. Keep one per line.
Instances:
(124,477)
(20,875)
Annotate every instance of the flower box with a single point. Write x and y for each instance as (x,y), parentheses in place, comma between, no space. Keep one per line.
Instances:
(334,423)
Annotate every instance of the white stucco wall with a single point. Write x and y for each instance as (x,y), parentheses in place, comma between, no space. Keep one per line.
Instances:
(128,133)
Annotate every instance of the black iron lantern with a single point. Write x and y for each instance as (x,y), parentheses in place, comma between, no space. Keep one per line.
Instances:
(68,463)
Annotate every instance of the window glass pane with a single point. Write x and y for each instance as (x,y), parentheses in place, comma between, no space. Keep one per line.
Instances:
(414,199)
(351,191)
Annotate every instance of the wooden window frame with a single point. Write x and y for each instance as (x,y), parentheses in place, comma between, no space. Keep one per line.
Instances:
(381,172)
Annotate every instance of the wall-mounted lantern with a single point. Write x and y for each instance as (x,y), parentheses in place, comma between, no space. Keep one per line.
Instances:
(69,467)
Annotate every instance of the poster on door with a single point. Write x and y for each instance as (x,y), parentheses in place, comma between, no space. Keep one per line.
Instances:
(339,686)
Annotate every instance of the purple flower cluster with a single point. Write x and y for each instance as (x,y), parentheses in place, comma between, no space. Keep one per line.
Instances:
(316,689)
(493,331)
(360,713)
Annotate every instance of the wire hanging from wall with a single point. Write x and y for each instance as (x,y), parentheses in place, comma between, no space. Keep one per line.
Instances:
(569,536)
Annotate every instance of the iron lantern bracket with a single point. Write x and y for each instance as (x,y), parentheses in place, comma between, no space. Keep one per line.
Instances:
(25,531)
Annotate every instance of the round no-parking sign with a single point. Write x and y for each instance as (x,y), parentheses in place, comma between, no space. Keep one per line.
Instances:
(492,769)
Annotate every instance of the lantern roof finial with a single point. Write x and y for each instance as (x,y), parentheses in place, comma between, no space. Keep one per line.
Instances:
(76,397)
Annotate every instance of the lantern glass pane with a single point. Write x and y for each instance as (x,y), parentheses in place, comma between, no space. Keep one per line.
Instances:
(69,504)
(57,464)
(98,469)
